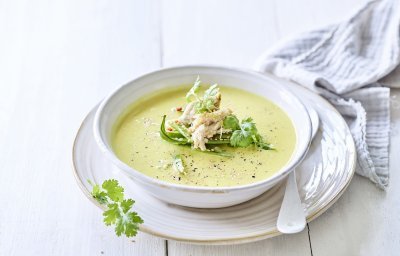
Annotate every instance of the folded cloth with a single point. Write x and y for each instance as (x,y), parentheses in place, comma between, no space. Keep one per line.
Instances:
(344,64)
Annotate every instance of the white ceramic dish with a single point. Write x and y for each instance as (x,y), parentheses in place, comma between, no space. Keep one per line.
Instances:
(202,197)
(322,177)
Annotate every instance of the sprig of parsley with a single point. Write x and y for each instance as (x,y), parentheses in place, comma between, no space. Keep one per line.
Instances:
(118,212)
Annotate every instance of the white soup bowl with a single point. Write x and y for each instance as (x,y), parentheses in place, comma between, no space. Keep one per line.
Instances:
(195,196)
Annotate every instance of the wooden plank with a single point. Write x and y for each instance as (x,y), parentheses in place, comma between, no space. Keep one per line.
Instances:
(297,244)
(59,60)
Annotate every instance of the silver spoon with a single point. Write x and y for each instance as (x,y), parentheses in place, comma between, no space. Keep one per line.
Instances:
(292,218)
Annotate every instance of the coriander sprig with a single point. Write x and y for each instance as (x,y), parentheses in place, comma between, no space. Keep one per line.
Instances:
(119,210)
(247,134)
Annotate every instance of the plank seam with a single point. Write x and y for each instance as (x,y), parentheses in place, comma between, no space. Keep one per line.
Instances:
(309,239)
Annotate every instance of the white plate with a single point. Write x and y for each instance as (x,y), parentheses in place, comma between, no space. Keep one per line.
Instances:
(322,178)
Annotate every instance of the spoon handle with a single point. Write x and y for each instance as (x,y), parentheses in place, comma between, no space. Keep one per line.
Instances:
(291,217)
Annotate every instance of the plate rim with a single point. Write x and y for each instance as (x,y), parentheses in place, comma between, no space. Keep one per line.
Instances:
(230,241)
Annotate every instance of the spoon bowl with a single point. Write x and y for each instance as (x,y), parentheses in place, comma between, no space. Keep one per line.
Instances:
(292,218)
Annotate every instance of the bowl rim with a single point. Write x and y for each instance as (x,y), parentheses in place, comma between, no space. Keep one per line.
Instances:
(143,178)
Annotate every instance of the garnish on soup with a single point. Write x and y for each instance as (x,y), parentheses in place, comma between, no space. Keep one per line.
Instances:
(177,163)
(204,124)
(207,140)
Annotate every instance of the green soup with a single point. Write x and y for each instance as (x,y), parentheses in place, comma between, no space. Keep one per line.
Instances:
(136,141)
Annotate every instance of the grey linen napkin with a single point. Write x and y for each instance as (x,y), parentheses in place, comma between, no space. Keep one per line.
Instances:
(344,63)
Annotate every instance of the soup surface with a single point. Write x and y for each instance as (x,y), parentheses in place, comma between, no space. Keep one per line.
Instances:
(136,141)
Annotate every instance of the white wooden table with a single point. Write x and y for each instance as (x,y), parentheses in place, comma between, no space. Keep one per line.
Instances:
(59,58)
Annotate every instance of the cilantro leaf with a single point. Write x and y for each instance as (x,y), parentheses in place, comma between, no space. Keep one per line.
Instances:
(112,214)
(244,137)
(248,126)
(119,210)
(128,223)
(247,135)
(126,205)
(241,139)
(231,122)
(192,93)
(114,191)
(259,141)
(209,102)
(99,194)
(210,99)
(211,92)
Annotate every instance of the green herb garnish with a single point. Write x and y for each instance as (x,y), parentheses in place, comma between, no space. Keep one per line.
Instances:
(206,103)
(203,125)
(177,164)
(178,138)
(210,97)
(118,212)
(192,93)
(172,137)
(182,130)
(231,122)
(248,134)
